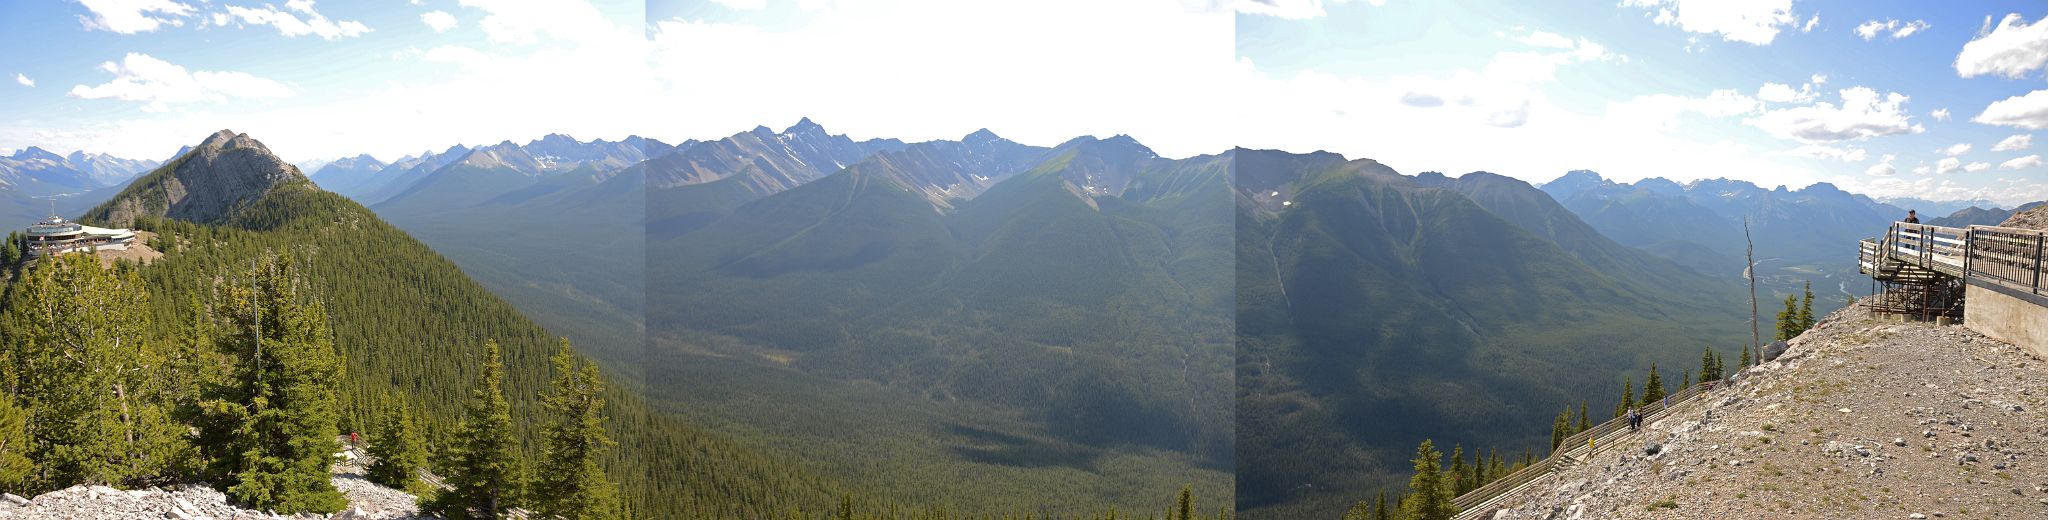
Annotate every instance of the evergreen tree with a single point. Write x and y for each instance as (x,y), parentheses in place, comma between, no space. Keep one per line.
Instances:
(1458,470)
(399,451)
(1806,309)
(1359,511)
(282,405)
(16,469)
(11,253)
(1745,358)
(1628,397)
(1184,508)
(1430,497)
(1379,508)
(1653,387)
(482,466)
(1707,370)
(1558,427)
(1685,380)
(570,484)
(79,357)
(1788,320)
(1585,421)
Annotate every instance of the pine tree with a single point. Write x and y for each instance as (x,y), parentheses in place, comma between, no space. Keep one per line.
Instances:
(481,465)
(16,469)
(399,451)
(1457,480)
(1380,508)
(570,483)
(1707,370)
(1653,387)
(79,357)
(1359,511)
(1628,397)
(1685,380)
(1788,320)
(1585,421)
(1806,309)
(1745,359)
(1558,428)
(284,402)
(1430,497)
(1185,507)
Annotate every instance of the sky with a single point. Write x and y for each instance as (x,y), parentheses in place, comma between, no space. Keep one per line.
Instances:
(1933,100)
(1937,100)
(318,79)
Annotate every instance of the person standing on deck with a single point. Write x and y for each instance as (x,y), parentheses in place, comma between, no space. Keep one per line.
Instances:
(1912,217)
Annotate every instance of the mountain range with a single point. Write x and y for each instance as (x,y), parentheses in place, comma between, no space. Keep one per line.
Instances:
(1368,320)
(32,179)
(1082,316)
(1797,233)
(410,325)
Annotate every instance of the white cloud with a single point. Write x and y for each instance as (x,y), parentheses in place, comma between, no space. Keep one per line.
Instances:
(2009,192)
(1755,22)
(2016,142)
(158,84)
(1883,166)
(1819,79)
(743,5)
(1141,86)
(290,25)
(2029,111)
(1955,149)
(1976,167)
(1939,114)
(1946,165)
(2012,50)
(1923,169)
(1782,93)
(1821,151)
(1871,29)
(1862,114)
(439,21)
(1909,29)
(1811,23)
(23,80)
(2022,163)
(133,16)
(524,22)
(1288,9)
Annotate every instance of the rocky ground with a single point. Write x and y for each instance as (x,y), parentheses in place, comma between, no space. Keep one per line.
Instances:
(367,501)
(1860,419)
(2036,218)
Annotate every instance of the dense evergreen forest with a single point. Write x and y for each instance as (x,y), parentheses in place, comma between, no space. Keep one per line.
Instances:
(157,375)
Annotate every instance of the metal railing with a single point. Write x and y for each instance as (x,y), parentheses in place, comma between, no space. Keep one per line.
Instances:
(1576,448)
(2010,257)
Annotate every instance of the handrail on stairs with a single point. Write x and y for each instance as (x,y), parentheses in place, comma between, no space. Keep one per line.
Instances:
(1589,442)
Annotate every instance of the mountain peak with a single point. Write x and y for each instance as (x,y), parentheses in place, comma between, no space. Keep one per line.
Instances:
(218,138)
(34,152)
(804,125)
(225,174)
(980,136)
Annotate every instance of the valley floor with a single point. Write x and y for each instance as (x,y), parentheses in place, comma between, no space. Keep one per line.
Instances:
(1861,418)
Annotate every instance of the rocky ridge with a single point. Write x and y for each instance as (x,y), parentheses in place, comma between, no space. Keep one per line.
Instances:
(1860,418)
(367,501)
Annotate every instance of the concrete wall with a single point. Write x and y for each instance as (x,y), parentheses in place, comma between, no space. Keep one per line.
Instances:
(2008,318)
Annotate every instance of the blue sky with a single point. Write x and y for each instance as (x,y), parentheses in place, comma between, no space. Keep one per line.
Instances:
(1674,88)
(139,78)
